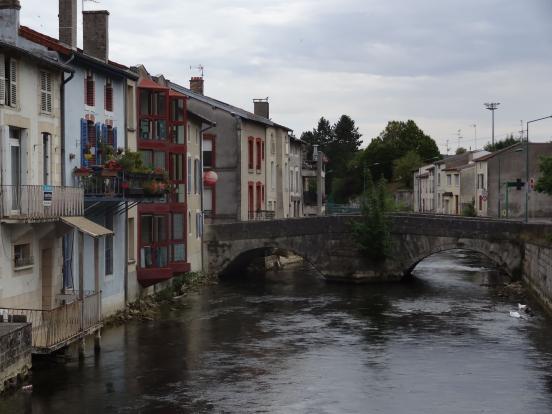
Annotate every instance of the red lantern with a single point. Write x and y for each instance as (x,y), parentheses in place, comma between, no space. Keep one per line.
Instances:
(210,178)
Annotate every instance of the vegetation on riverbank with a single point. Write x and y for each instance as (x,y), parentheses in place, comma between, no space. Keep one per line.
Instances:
(148,307)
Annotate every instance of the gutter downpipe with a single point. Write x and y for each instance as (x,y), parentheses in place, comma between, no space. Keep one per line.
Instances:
(62,120)
(125,126)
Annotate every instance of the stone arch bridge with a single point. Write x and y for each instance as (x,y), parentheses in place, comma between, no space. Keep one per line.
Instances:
(327,243)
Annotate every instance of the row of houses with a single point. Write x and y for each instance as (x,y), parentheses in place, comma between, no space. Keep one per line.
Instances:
(500,184)
(109,173)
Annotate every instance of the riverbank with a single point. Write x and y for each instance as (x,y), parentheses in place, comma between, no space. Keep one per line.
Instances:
(148,307)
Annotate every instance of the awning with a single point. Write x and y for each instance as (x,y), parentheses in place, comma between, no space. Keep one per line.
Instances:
(86,226)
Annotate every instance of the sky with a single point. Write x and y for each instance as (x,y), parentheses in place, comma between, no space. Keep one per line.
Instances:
(433,61)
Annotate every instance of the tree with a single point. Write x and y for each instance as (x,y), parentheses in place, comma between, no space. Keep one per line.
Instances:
(461,150)
(403,167)
(372,231)
(395,141)
(321,135)
(544,183)
(505,143)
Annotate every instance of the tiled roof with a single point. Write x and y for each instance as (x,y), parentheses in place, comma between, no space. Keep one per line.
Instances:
(242,113)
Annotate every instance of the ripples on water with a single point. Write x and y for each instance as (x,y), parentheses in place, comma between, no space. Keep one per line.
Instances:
(290,343)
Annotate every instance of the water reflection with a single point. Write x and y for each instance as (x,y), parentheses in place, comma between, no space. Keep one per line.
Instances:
(290,343)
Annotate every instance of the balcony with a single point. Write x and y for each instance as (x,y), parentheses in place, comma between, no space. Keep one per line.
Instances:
(261,215)
(53,329)
(101,184)
(40,203)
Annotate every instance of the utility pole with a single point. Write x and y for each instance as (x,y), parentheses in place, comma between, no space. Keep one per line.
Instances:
(474,126)
(459,138)
(448,148)
(492,106)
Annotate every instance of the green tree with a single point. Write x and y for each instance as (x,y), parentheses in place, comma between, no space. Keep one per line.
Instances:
(403,167)
(322,135)
(372,231)
(505,143)
(395,141)
(544,183)
(461,150)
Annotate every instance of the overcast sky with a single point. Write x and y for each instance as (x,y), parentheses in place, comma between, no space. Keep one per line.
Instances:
(433,61)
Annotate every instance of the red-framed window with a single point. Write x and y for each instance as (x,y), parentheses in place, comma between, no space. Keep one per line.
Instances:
(154,243)
(178,120)
(259,154)
(250,197)
(178,237)
(177,176)
(108,95)
(89,89)
(259,195)
(250,151)
(263,149)
(153,108)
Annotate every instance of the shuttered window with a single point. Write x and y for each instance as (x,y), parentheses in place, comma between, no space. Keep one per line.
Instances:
(13,82)
(89,89)
(45,92)
(108,96)
(2,80)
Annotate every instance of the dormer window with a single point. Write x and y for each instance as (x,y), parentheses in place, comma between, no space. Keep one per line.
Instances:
(89,89)
(108,95)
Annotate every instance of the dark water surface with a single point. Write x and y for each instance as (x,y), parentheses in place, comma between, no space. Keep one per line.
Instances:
(294,344)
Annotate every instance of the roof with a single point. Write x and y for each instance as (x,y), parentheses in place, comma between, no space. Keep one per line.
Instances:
(149,84)
(493,154)
(55,45)
(234,110)
(37,56)
(86,226)
(197,115)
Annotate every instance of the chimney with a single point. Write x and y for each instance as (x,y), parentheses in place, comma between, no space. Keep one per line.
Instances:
(196,84)
(261,108)
(68,22)
(9,20)
(96,34)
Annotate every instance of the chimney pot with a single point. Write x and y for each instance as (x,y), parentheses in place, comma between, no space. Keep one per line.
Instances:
(197,84)
(96,33)
(68,22)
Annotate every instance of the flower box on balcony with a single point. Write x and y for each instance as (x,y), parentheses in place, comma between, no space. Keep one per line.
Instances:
(109,173)
(82,172)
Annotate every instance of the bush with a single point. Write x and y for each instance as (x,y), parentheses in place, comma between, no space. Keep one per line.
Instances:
(371,233)
(469,210)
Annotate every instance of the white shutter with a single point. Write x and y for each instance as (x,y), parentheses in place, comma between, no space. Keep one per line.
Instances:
(13,82)
(2,80)
(45,92)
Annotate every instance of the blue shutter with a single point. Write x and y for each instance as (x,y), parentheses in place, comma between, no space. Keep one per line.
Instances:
(115,139)
(68,261)
(98,139)
(84,141)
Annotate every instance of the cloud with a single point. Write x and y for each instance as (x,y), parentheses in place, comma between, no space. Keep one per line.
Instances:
(432,61)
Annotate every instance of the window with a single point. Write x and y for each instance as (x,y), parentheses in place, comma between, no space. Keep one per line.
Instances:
(272,144)
(208,160)
(131,242)
(68,260)
(457,179)
(159,160)
(178,134)
(208,200)
(108,95)
(45,92)
(197,181)
(90,89)
(108,257)
(259,154)
(272,176)
(189,223)
(189,133)
(46,163)
(439,180)
(130,102)
(480,181)
(22,255)
(152,103)
(250,153)
(449,179)
(199,225)
(190,175)
(8,81)
(177,167)
(154,250)
(177,110)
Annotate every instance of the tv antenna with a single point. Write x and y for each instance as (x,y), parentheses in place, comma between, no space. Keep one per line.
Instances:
(199,68)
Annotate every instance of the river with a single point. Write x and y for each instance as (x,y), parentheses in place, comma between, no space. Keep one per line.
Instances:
(291,343)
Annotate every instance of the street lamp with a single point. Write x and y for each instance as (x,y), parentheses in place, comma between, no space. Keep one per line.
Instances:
(492,106)
(527,167)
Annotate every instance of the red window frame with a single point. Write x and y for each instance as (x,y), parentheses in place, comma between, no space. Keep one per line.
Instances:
(108,95)
(259,196)
(250,152)
(154,244)
(259,155)
(89,89)
(250,197)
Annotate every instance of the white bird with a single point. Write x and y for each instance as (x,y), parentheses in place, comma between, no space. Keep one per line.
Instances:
(522,307)
(514,314)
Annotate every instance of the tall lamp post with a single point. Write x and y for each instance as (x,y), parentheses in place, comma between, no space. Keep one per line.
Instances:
(527,167)
(492,106)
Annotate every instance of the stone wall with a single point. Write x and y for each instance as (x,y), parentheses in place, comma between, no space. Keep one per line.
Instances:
(537,271)
(15,353)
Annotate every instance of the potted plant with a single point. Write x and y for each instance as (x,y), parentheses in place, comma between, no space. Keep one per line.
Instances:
(81,171)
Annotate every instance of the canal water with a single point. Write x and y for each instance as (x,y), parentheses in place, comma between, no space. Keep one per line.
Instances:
(289,343)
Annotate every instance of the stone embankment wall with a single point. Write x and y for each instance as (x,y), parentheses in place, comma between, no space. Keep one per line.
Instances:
(537,271)
(15,353)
